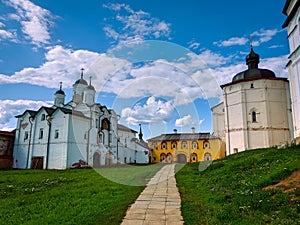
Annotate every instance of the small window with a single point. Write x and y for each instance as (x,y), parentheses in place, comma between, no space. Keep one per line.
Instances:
(254,119)
(184,145)
(195,145)
(235,150)
(252,86)
(207,156)
(43,117)
(41,133)
(174,145)
(164,145)
(26,135)
(97,123)
(100,138)
(56,134)
(206,144)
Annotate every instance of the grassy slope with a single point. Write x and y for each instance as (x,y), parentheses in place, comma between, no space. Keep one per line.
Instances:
(230,191)
(68,197)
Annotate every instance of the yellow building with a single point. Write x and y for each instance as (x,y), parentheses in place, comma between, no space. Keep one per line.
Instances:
(185,147)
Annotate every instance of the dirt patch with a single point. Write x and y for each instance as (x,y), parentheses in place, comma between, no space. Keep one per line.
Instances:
(288,185)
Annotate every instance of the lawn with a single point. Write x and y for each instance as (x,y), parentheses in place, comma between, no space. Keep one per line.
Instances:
(233,190)
(79,196)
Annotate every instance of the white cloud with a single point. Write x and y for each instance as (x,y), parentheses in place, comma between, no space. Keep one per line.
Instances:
(62,65)
(8,35)
(193,45)
(35,21)
(184,121)
(201,121)
(276,64)
(10,108)
(263,36)
(232,41)
(153,111)
(135,24)
(259,37)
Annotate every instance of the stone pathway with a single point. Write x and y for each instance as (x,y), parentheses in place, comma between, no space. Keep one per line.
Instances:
(159,203)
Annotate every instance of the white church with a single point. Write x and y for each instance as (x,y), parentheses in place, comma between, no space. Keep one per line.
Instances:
(260,110)
(78,133)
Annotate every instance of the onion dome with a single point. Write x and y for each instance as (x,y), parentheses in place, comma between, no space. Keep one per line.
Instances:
(81,80)
(252,59)
(60,91)
(91,87)
(253,72)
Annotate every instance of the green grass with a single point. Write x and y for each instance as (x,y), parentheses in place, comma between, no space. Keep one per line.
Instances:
(71,196)
(230,191)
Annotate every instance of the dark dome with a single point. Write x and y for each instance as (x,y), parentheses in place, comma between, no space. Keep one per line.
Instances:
(81,81)
(253,72)
(91,87)
(60,92)
(252,57)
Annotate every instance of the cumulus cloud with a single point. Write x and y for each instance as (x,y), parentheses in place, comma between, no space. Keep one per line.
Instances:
(153,111)
(35,21)
(61,64)
(11,108)
(232,41)
(259,37)
(184,121)
(9,35)
(135,24)
(263,36)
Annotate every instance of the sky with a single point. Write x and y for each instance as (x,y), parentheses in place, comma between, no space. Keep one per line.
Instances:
(156,63)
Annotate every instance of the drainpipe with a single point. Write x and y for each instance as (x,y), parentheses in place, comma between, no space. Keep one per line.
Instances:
(48,141)
(29,142)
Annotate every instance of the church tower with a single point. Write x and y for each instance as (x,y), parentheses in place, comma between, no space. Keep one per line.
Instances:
(89,94)
(257,109)
(78,88)
(59,97)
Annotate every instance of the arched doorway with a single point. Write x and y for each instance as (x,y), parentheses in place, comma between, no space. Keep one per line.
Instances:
(181,158)
(96,159)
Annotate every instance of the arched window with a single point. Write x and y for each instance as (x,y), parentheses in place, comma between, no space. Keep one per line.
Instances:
(163,157)
(100,137)
(105,125)
(184,144)
(206,144)
(163,145)
(207,156)
(253,115)
(194,145)
(169,158)
(174,144)
(194,157)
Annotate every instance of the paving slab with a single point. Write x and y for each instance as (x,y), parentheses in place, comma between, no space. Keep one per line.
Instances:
(159,203)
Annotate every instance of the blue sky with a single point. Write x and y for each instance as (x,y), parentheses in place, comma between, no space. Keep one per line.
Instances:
(159,63)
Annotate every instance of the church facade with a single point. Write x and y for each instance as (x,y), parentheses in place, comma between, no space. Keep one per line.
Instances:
(80,132)
(292,23)
(256,110)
